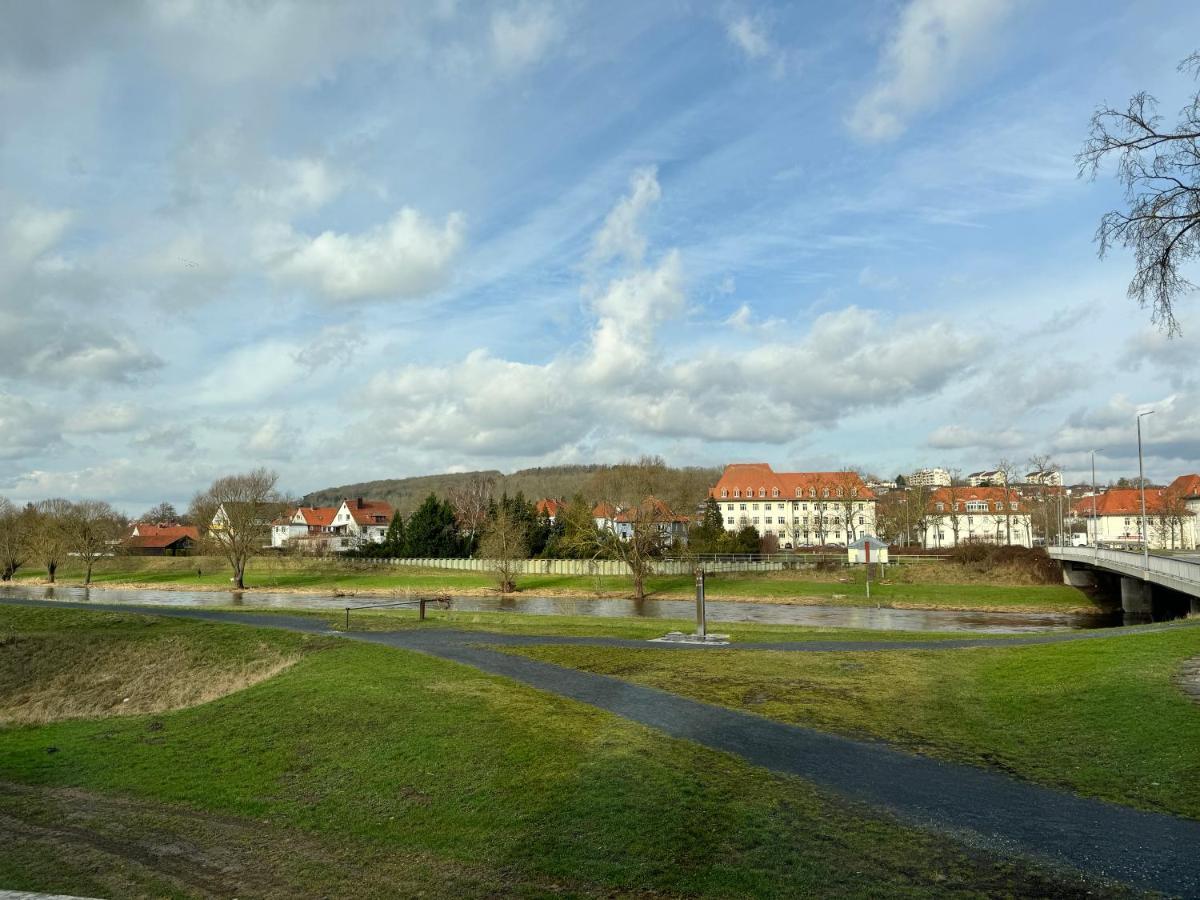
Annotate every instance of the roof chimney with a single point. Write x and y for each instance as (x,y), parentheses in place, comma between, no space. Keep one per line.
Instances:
(359,501)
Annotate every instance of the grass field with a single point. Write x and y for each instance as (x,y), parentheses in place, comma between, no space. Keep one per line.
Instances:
(364,771)
(1102,717)
(926,584)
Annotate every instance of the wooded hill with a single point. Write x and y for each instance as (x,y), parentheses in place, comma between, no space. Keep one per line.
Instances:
(682,488)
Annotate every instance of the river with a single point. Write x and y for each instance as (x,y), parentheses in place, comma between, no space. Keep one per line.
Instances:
(872,618)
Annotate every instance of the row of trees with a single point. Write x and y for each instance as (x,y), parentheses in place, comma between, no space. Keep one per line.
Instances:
(47,533)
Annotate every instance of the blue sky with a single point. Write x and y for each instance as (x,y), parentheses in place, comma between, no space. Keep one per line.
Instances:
(353,241)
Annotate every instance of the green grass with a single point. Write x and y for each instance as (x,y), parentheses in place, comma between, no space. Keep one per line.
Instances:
(366,771)
(1101,716)
(911,585)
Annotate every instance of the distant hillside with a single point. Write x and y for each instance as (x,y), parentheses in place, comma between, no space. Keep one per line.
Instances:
(682,488)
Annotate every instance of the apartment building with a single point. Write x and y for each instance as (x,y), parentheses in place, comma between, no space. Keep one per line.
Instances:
(989,515)
(799,509)
(937,477)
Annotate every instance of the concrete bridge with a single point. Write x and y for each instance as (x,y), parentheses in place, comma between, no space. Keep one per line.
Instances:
(1166,584)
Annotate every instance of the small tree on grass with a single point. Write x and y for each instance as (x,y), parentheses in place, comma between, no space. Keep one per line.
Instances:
(705,537)
(504,544)
(393,540)
(94,530)
(238,510)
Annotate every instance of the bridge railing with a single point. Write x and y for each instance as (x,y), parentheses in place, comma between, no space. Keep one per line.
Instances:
(1181,569)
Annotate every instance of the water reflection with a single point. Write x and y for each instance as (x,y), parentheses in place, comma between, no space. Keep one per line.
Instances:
(871,618)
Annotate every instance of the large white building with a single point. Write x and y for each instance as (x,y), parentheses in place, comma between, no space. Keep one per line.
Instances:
(937,477)
(977,515)
(799,509)
(1053,479)
(1114,517)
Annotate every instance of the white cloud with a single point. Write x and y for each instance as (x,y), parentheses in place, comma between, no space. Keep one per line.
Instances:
(104,418)
(960,437)
(272,439)
(929,54)
(406,257)
(620,237)
(26,235)
(251,374)
(522,36)
(749,35)
(25,428)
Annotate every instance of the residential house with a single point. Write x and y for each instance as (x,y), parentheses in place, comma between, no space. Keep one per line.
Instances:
(800,509)
(362,521)
(146,539)
(990,515)
(1044,478)
(550,507)
(302,523)
(987,478)
(671,527)
(1114,516)
(604,514)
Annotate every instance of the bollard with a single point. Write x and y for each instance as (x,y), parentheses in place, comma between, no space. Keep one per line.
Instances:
(347,618)
(701,625)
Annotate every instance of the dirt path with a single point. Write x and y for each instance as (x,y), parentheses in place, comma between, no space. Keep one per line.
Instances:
(983,808)
(1188,678)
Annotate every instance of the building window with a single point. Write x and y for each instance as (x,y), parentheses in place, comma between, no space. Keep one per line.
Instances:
(860,521)
(762,492)
(780,506)
(729,521)
(724,492)
(754,506)
(774,492)
(940,507)
(799,492)
(736,492)
(756,520)
(812,492)
(743,506)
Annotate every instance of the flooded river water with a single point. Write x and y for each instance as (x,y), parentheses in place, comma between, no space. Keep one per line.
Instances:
(882,619)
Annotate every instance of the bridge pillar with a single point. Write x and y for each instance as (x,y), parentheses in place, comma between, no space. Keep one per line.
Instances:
(1135,597)
(1079,577)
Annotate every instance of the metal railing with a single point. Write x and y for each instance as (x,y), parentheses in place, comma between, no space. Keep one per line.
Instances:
(1168,567)
(420,603)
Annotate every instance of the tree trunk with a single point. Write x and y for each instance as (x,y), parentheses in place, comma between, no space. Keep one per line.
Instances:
(50,570)
(240,576)
(639,584)
(87,579)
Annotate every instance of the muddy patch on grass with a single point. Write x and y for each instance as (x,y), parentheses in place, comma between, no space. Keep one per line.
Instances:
(1188,679)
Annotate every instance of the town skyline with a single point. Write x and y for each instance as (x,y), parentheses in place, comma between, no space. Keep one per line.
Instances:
(229,259)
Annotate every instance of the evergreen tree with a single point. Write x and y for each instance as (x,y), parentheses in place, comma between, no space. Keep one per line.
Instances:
(706,536)
(393,542)
(432,531)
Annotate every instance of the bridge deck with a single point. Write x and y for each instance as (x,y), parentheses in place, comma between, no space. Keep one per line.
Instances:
(1170,572)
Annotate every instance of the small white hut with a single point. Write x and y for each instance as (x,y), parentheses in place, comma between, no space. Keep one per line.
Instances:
(867,549)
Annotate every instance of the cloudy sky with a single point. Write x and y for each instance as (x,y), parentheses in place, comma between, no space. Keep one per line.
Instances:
(362,240)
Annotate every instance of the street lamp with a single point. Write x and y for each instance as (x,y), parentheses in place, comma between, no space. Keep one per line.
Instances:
(1095,521)
(1142,485)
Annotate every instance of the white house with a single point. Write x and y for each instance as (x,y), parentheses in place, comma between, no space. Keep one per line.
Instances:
(550,507)
(670,526)
(987,478)
(301,523)
(977,514)
(605,516)
(1115,516)
(800,509)
(362,521)
(1044,478)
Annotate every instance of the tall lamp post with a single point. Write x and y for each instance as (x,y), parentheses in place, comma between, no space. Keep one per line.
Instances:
(1095,521)
(1142,486)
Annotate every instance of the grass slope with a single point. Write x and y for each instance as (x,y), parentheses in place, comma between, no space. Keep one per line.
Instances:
(929,585)
(365,771)
(1103,717)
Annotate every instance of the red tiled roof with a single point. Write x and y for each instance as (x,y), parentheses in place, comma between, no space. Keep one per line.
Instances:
(549,507)
(990,495)
(604,510)
(318,516)
(762,482)
(1186,486)
(652,506)
(369,512)
(147,530)
(1121,502)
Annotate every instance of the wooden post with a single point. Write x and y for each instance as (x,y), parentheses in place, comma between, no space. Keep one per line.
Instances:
(422,602)
(347,618)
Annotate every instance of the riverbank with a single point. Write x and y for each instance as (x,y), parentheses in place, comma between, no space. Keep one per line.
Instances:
(364,770)
(924,585)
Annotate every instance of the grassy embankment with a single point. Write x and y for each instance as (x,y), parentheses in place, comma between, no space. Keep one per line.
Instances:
(1104,716)
(364,771)
(929,584)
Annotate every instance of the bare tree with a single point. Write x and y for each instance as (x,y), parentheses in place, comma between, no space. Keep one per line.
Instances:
(50,540)
(471,504)
(238,510)
(1043,466)
(850,496)
(161,514)
(918,509)
(93,529)
(504,545)
(1008,474)
(1159,167)
(15,527)
(952,495)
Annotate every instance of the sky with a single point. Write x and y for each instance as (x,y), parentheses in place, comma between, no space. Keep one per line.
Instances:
(364,240)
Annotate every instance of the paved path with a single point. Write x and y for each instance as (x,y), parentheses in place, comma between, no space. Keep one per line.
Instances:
(1149,850)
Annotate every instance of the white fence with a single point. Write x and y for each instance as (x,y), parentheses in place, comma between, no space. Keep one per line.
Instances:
(583,566)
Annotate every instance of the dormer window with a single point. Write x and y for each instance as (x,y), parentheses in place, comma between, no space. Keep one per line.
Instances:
(774,492)
(853,492)
(812,492)
(762,492)
(736,492)
(839,492)
(724,492)
(824,492)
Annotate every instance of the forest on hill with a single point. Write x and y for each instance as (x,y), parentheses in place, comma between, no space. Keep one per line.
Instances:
(682,488)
